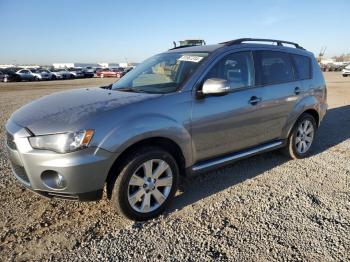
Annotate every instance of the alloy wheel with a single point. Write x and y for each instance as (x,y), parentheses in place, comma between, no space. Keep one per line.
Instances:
(150,185)
(304,136)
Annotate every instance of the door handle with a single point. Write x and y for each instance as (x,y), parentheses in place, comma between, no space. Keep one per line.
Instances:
(297,90)
(254,100)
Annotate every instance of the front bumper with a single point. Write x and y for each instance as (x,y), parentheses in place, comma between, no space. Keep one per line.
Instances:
(346,72)
(84,171)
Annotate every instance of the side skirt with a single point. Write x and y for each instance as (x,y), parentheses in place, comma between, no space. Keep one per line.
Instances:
(227,159)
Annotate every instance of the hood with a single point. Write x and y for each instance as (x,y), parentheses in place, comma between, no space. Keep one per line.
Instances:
(63,111)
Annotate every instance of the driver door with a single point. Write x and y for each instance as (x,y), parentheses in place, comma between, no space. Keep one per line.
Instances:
(231,122)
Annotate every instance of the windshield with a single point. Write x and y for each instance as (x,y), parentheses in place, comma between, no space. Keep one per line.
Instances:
(163,73)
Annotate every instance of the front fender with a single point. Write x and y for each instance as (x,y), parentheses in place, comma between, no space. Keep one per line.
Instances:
(147,126)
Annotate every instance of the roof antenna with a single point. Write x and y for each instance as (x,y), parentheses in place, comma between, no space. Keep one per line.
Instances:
(174,44)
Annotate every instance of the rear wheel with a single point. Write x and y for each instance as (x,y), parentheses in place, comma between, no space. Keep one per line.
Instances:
(301,137)
(146,184)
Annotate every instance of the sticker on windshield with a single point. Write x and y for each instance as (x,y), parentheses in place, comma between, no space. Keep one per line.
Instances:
(190,58)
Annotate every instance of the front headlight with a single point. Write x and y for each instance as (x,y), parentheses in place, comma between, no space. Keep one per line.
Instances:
(62,143)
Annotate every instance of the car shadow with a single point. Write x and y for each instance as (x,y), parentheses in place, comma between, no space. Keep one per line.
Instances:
(335,129)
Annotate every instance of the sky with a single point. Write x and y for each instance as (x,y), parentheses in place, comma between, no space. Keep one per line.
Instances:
(48,31)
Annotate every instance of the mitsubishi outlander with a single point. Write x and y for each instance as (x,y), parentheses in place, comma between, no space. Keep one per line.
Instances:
(184,111)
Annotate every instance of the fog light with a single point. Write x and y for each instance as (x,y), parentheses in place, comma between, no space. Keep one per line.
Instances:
(53,179)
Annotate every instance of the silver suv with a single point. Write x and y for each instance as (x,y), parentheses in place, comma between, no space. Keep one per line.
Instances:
(184,111)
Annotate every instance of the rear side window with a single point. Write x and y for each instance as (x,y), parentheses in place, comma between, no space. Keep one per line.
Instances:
(302,66)
(272,67)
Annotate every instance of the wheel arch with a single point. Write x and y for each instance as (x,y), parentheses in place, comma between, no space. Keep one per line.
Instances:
(162,142)
(311,111)
(314,114)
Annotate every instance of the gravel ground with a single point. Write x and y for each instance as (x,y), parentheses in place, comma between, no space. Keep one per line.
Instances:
(260,209)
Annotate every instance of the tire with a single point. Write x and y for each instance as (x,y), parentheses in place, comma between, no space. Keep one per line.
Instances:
(53,77)
(345,75)
(132,200)
(299,143)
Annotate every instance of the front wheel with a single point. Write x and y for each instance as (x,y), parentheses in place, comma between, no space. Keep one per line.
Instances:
(146,184)
(301,137)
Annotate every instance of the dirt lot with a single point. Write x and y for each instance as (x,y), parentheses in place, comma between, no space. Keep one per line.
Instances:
(263,208)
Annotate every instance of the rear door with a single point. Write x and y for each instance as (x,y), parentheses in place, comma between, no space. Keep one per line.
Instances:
(302,71)
(279,89)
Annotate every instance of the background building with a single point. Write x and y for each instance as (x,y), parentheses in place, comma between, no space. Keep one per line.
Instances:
(109,65)
(69,65)
(93,65)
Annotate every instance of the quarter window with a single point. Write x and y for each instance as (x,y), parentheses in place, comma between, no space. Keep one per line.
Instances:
(237,69)
(302,66)
(272,67)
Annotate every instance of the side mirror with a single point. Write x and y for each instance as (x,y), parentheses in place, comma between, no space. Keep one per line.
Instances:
(215,86)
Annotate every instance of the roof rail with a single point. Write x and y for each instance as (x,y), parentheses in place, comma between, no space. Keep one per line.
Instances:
(279,42)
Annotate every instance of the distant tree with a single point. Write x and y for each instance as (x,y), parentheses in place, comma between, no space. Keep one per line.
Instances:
(342,58)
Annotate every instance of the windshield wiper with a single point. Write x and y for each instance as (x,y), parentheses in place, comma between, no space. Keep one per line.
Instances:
(107,87)
(128,89)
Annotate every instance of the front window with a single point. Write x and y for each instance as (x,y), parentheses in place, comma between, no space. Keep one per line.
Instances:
(163,73)
(237,69)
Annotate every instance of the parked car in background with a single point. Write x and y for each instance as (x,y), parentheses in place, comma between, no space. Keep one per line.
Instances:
(28,75)
(98,71)
(88,72)
(323,67)
(43,74)
(126,70)
(120,71)
(2,76)
(77,72)
(113,72)
(103,72)
(10,75)
(187,110)
(346,71)
(62,73)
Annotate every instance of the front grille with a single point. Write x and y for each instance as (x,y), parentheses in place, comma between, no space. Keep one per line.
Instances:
(10,141)
(20,172)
